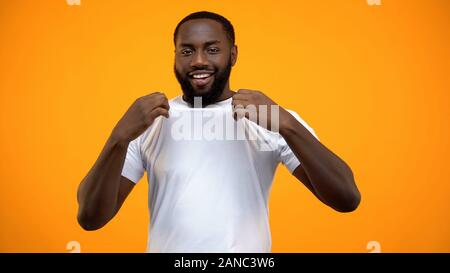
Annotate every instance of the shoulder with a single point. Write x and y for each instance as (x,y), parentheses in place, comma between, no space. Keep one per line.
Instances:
(302,121)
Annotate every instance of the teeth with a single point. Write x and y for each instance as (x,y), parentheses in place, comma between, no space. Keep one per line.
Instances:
(201,76)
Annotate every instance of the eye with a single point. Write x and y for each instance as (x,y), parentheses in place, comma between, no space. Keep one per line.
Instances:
(213,50)
(186,52)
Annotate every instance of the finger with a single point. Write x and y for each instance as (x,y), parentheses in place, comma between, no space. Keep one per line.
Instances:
(159,101)
(239,112)
(237,115)
(159,111)
(243,103)
(241,96)
(244,91)
(165,104)
(157,93)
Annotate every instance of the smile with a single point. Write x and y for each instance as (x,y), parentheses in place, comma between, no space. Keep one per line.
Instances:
(200,79)
(201,76)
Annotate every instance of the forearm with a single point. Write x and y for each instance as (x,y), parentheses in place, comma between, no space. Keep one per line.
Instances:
(330,177)
(98,192)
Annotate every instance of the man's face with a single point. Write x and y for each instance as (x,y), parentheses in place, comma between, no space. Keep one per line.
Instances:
(203,60)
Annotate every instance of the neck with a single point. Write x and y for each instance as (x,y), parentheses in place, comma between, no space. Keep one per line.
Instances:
(226,93)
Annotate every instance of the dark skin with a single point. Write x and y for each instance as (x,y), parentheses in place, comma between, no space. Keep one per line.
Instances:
(203,43)
(327,176)
(102,192)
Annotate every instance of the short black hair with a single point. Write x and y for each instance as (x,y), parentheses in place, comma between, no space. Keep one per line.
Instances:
(228,27)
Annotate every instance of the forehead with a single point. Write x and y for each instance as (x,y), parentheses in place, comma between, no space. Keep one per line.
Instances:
(199,31)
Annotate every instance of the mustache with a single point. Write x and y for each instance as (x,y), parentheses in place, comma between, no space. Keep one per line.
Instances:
(220,81)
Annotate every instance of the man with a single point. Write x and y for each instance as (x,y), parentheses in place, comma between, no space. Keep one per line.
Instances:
(208,196)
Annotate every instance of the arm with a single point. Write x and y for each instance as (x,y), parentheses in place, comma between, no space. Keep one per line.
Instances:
(103,191)
(323,172)
(328,177)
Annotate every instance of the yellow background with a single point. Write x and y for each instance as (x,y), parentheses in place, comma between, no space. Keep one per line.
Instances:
(373,81)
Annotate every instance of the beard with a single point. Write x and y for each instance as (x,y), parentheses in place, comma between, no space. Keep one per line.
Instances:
(211,95)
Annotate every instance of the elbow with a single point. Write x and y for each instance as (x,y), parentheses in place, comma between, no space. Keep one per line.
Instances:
(350,204)
(351,197)
(89,222)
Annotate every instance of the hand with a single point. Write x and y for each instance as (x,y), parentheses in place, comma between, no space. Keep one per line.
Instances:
(141,114)
(248,103)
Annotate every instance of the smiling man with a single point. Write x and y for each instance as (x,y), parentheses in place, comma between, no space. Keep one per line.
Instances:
(205,74)
(209,195)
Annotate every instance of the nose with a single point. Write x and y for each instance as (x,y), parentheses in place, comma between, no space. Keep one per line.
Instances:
(199,60)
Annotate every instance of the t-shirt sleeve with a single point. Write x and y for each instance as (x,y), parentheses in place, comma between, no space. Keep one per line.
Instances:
(285,154)
(133,168)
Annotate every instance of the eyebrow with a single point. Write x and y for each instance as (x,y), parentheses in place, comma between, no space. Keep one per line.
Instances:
(206,44)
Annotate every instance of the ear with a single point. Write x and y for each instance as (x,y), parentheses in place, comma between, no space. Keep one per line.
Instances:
(234,54)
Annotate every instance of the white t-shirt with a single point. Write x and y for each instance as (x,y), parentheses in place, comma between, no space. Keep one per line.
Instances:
(208,189)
